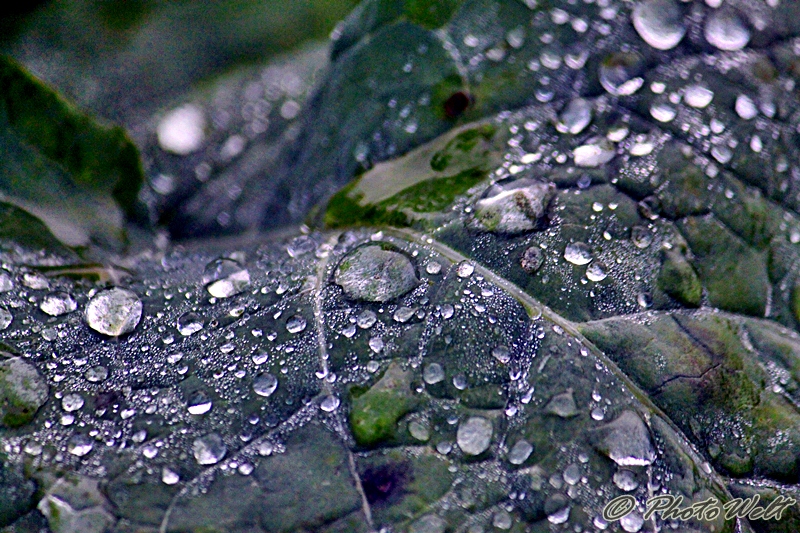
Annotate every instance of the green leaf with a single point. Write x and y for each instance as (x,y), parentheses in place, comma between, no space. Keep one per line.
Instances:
(79,178)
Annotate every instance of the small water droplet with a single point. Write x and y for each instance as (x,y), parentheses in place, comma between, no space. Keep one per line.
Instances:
(474,435)
(433,267)
(620,73)
(209,449)
(5,318)
(199,403)
(58,303)
(465,269)
(578,253)
(79,445)
(182,130)
(698,96)
(575,117)
(329,403)
(71,402)
(597,152)
(502,354)
(597,271)
(520,452)
(745,107)
(725,30)
(296,324)
(189,323)
(366,319)
(433,373)
(169,477)
(659,23)
(403,314)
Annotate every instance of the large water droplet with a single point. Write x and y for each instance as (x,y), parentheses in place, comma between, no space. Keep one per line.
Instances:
(659,23)
(465,269)
(502,354)
(366,319)
(265,384)
(625,480)
(474,435)
(698,96)
(296,324)
(169,477)
(182,130)
(71,402)
(114,312)
(6,283)
(745,107)
(5,318)
(199,403)
(433,373)
(597,152)
(562,405)
(209,449)
(621,73)
(597,271)
(375,274)
(531,260)
(575,117)
(627,441)
(726,31)
(225,277)
(189,323)
(330,403)
(520,452)
(578,253)
(515,207)
(58,303)
(663,112)
(79,445)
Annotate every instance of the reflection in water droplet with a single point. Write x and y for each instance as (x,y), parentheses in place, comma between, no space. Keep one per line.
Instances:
(659,23)
(520,452)
(433,373)
(189,323)
(169,477)
(698,96)
(296,324)
(71,402)
(662,112)
(465,269)
(578,253)
(474,435)
(209,449)
(329,403)
(597,271)
(595,153)
(620,73)
(182,130)
(79,445)
(745,107)
(114,312)
(58,303)
(575,117)
(725,30)
(5,318)
(265,384)
(199,403)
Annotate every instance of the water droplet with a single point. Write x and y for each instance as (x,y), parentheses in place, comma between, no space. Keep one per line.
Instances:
(698,96)
(96,374)
(662,112)
(502,519)
(199,403)
(641,237)
(515,207)
(329,403)
(5,318)
(597,271)
(419,431)
(557,509)
(502,354)
(225,277)
(562,405)
(726,31)
(34,280)
(6,283)
(627,441)
(58,303)
(433,267)
(169,477)
(575,117)
(366,319)
(620,73)
(644,300)
(632,522)
(403,314)
(447,311)
(71,402)
(465,269)
(659,23)
(597,152)
(114,312)
(79,445)
(265,384)
(376,344)
(460,381)
(578,253)
(428,524)
(375,274)
(474,435)
(721,153)
(209,449)
(572,474)
(296,324)
(520,452)
(625,480)
(189,323)
(531,260)
(745,107)
(433,373)
(182,130)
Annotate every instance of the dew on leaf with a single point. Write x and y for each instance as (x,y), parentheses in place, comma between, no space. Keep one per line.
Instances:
(659,23)
(58,303)
(474,435)
(725,30)
(189,324)
(114,312)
